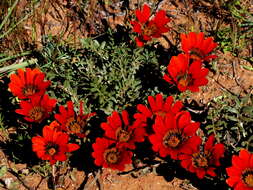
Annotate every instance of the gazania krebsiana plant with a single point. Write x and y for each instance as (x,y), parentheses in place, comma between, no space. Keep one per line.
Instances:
(37,108)
(203,161)
(157,107)
(174,134)
(55,126)
(109,155)
(72,122)
(186,75)
(198,46)
(241,172)
(28,83)
(149,28)
(52,145)
(122,131)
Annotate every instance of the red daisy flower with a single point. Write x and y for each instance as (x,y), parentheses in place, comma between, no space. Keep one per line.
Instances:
(37,108)
(203,162)
(28,83)
(158,107)
(173,134)
(148,29)
(120,130)
(72,122)
(185,75)
(55,126)
(241,172)
(108,155)
(53,145)
(197,46)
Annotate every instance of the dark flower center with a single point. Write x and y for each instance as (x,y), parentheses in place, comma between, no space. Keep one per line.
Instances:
(36,113)
(29,90)
(247,177)
(112,156)
(51,148)
(196,54)
(173,139)
(149,30)
(185,80)
(123,135)
(201,159)
(75,125)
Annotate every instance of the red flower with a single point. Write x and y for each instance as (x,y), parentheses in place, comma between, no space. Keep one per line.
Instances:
(157,107)
(148,29)
(197,46)
(185,75)
(174,134)
(109,155)
(204,161)
(53,145)
(28,83)
(119,129)
(54,125)
(72,122)
(37,108)
(241,172)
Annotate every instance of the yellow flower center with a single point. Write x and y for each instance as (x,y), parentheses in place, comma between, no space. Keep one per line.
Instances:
(51,148)
(172,139)
(196,54)
(123,135)
(200,159)
(247,177)
(185,80)
(112,156)
(160,113)
(149,30)
(75,125)
(29,90)
(51,151)
(36,113)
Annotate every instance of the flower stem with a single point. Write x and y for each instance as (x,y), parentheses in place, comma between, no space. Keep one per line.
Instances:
(53,176)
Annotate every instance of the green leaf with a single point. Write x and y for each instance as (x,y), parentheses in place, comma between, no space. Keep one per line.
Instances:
(249,68)
(248,110)
(3,171)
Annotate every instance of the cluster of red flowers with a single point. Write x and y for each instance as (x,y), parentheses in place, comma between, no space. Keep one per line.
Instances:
(174,135)
(186,70)
(114,150)
(29,85)
(53,145)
